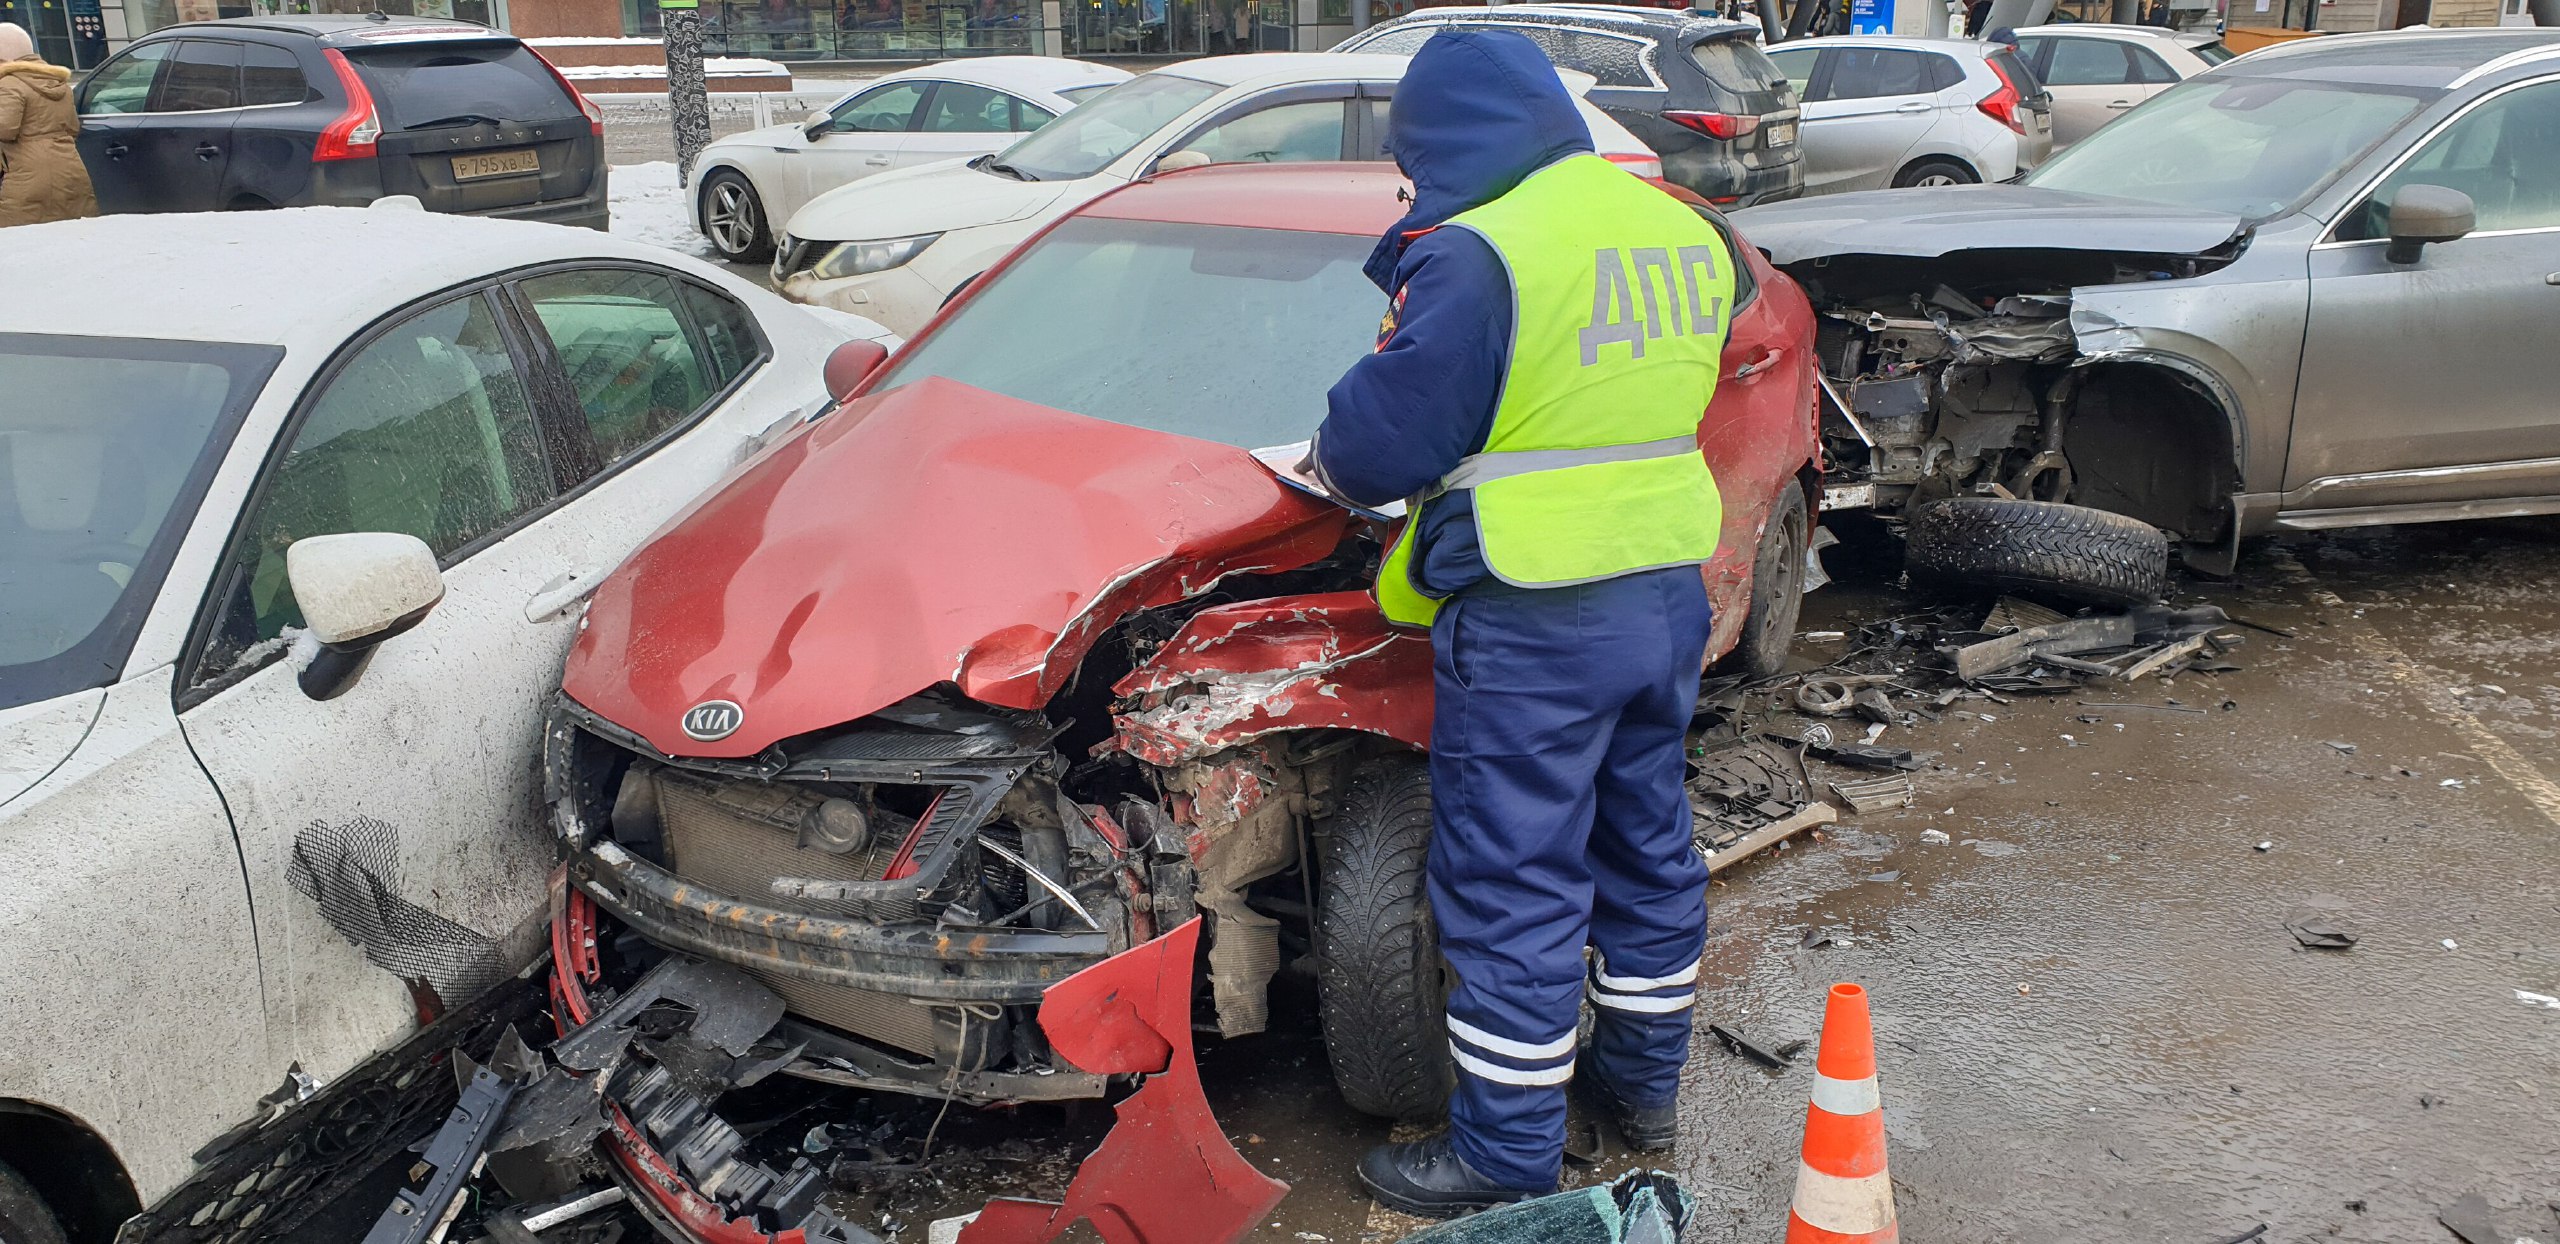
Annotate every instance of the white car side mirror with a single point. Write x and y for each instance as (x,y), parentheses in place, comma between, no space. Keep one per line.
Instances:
(356,590)
(1185,158)
(816,123)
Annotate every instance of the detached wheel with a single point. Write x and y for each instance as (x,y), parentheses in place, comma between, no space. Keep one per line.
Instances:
(1381,992)
(23,1217)
(733,218)
(2039,548)
(1777,588)
(1935,173)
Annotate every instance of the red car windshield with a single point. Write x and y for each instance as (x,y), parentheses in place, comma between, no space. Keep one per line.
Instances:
(1210,331)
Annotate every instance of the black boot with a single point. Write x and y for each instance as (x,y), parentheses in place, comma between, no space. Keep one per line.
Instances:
(1647,1129)
(1429,1180)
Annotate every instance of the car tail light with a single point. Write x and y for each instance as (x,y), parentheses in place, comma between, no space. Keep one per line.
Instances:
(1724,125)
(2002,105)
(352,135)
(1642,164)
(595,115)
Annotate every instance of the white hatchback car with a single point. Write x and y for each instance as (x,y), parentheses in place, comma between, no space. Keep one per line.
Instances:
(1881,111)
(895,247)
(287,570)
(2098,71)
(745,183)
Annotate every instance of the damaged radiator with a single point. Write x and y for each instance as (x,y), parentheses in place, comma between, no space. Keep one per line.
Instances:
(734,840)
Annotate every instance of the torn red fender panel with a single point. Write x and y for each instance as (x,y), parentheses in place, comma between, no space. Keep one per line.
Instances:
(1166,1174)
(1241,671)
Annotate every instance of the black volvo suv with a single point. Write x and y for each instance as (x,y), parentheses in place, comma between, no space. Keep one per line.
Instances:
(1697,90)
(315,111)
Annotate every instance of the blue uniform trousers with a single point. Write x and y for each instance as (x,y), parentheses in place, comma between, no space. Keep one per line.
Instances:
(1560,821)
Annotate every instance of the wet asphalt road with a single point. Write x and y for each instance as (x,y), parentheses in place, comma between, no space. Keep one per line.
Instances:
(2092,1023)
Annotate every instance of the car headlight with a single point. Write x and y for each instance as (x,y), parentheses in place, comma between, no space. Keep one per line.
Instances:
(857,258)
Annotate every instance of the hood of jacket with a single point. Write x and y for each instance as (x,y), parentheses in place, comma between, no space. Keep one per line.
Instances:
(1478,111)
(49,80)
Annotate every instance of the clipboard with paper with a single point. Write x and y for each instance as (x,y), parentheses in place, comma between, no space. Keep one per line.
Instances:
(1294,464)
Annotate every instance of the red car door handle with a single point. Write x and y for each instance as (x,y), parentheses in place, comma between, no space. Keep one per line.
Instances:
(1767,359)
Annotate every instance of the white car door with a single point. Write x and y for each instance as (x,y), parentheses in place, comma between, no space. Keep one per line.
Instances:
(1864,110)
(869,135)
(965,119)
(2093,80)
(532,433)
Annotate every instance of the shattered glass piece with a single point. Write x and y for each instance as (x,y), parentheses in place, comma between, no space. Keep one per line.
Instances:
(1640,1207)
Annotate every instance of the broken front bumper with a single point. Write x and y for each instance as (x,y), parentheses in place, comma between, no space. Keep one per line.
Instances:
(929,980)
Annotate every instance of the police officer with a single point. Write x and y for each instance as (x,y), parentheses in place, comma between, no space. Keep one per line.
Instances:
(1551,342)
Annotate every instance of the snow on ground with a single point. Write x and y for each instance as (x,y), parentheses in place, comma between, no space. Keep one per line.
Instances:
(712,66)
(649,208)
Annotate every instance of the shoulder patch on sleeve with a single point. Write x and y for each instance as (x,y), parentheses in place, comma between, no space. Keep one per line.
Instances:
(1387,322)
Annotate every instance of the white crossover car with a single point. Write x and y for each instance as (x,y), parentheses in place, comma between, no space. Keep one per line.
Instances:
(287,571)
(748,182)
(895,247)
(1882,110)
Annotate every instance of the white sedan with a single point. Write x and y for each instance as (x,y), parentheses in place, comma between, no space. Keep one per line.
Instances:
(748,182)
(287,571)
(894,247)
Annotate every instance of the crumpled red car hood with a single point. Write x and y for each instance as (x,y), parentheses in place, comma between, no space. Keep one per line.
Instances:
(933,533)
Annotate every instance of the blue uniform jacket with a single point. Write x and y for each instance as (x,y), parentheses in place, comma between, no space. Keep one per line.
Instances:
(1477,112)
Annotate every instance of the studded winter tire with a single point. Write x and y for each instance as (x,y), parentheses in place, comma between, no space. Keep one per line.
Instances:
(2039,548)
(1381,990)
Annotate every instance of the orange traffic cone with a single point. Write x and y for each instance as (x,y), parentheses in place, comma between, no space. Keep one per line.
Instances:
(1843,1195)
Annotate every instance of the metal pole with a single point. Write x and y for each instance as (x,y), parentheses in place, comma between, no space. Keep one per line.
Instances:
(1774,29)
(688,95)
(2545,12)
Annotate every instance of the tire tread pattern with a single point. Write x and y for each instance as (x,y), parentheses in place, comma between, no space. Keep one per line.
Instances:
(1379,992)
(2079,554)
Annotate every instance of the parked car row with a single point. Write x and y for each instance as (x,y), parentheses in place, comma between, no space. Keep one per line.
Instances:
(297,111)
(895,246)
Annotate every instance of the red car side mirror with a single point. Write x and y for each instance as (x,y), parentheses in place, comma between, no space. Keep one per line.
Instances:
(852,363)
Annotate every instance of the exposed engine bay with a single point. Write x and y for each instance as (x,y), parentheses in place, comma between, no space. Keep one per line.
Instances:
(911,882)
(1962,375)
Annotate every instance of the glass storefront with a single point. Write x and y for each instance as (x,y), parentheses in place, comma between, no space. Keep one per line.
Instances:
(68,33)
(800,30)
(855,29)
(485,12)
(1174,27)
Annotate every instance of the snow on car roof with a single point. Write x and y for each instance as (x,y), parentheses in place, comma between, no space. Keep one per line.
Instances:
(1268,67)
(294,277)
(1018,73)
(1357,199)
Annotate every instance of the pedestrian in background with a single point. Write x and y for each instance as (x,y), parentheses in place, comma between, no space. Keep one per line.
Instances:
(1550,345)
(41,177)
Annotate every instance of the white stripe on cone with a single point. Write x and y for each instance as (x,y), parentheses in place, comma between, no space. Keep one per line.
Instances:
(1859,1206)
(1846,1097)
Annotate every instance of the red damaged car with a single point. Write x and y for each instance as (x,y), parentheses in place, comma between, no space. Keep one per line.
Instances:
(1018,657)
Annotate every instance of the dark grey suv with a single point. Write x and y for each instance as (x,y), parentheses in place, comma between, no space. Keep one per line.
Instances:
(320,111)
(1697,90)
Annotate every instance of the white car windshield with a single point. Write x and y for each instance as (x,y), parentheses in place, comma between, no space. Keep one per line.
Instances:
(2255,147)
(105,448)
(1209,331)
(1101,129)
